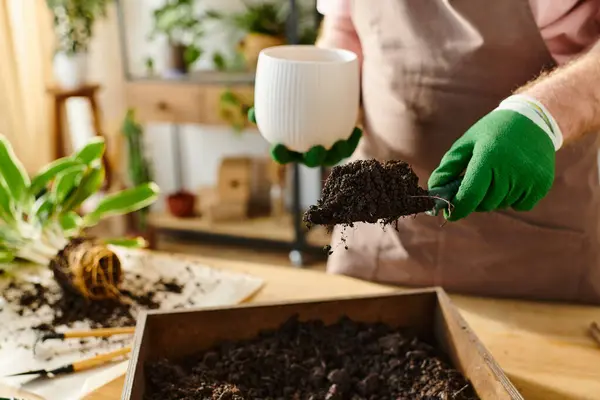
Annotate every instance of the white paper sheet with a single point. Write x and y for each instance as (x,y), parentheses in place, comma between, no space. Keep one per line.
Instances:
(204,287)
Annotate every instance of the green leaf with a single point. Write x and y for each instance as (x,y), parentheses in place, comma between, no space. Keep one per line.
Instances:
(70,222)
(67,182)
(9,237)
(219,61)
(49,173)
(192,54)
(134,243)
(90,184)
(6,256)
(123,202)
(13,173)
(7,206)
(92,151)
(43,208)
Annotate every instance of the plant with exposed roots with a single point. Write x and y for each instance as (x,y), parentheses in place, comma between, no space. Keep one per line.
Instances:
(40,222)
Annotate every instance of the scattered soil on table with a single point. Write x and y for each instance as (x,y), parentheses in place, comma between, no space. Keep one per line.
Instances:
(308,360)
(369,191)
(67,307)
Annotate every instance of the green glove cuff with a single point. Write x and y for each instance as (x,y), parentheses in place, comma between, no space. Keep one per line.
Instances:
(508,161)
(252,115)
(282,155)
(317,155)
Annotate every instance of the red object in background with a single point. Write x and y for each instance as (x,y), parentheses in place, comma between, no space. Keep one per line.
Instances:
(182,204)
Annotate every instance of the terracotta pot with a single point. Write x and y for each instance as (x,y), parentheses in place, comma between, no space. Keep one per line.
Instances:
(182,204)
(254,43)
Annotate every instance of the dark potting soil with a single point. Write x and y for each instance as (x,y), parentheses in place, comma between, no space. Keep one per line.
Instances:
(369,191)
(67,307)
(308,360)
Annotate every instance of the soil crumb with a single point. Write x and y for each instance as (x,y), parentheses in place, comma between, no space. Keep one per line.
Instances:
(67,307)
(369,191)
(308,360)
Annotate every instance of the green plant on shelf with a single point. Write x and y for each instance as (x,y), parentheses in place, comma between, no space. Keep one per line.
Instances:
(270,18)
(138,166)
(179,21)
(266,18)
(233,109)
(74,22)
(235,63)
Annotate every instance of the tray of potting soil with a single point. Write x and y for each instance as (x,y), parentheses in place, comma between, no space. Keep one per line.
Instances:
(32,303)
(411,345)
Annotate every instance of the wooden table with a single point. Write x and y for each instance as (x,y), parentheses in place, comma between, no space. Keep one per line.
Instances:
(544,348)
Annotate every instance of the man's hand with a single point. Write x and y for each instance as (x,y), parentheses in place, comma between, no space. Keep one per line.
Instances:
(508,162)
(318,155)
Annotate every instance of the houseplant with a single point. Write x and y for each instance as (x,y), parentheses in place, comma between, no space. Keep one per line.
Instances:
(181,24)
(234,109)
(137,164)
(263,25)
(73,25)
(40,223)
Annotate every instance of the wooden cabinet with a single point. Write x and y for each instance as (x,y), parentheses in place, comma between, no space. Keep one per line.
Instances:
(182,102)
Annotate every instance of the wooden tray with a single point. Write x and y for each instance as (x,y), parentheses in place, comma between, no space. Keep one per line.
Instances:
(428,312)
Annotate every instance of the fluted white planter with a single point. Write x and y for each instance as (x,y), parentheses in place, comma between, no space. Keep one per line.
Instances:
(306,96)
(70,70)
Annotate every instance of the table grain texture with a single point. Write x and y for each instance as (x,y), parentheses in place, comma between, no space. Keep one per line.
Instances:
(544,348)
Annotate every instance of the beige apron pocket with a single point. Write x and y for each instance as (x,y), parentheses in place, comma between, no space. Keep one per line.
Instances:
(497,254)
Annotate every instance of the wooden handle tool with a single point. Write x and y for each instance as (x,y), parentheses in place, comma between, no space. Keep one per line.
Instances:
(80,365)
(102,332)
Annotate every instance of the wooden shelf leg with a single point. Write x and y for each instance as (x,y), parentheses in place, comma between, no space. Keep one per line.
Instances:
(299,245)
(59,143)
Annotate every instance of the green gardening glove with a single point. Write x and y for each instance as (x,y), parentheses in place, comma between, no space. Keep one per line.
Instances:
(316,156)
(508,161)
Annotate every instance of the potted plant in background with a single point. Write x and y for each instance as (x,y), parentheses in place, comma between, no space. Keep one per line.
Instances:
(73,24)
(181,24)
(263,25)
(138,167)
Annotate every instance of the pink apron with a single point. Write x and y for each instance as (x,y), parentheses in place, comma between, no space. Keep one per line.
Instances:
(431,70)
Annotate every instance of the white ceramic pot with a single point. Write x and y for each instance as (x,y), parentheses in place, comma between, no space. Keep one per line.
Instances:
(70,70)
(306,96)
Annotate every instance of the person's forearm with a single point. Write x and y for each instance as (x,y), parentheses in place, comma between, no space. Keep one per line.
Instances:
(571,94)
(339,32)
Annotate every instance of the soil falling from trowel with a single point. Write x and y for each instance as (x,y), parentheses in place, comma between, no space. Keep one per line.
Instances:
(369,191)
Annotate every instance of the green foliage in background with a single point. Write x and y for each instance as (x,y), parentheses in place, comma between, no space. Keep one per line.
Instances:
(269,18)
(137,163)
(234,110)
(266,18)
(236,63)
(74,22)
(179,21)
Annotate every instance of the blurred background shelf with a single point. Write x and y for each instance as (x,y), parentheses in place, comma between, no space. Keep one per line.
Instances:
(199,77)
(196,102)
(280,229)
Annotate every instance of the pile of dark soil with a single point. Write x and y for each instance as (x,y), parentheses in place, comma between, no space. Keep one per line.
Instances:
(67,307)
(308,360)
(369,191)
